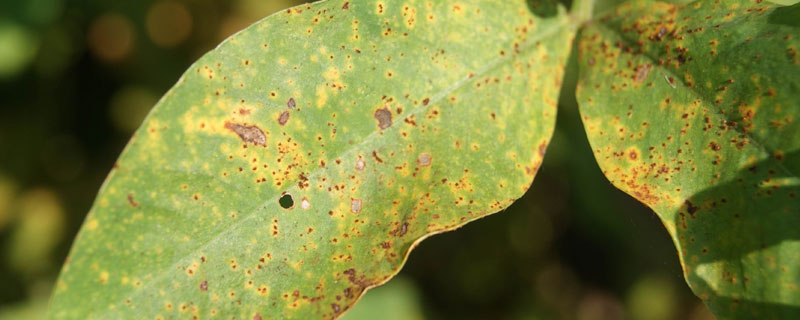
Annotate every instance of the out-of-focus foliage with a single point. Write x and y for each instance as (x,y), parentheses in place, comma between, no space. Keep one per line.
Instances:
(38,229)
(571,248)
(17,50)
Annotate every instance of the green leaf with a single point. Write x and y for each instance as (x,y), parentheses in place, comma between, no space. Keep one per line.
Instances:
(297,164)
(694,111)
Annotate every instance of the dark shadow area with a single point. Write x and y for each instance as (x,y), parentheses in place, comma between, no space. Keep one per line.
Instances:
(543,8)
(740,223)
(745,309)
(789,15)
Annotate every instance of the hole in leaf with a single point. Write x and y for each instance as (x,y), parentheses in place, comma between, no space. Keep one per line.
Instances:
(286,201)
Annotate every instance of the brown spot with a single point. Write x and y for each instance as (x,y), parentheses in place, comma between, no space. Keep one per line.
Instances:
(345,7)
(248,133)
(283,118)
(426,101)
(335,307)
(641,73)
(690,208)
(714,146)
(633,155)
(542,149)
(424,159)
(384,117)
(204,285)
(132,202)
(257,317)
(355,205)
(291,104)
(660,34)
(401,230)
(377,158)
(360,164)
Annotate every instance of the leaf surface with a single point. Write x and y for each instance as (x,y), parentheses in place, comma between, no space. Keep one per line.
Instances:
(297,164)
(694,111)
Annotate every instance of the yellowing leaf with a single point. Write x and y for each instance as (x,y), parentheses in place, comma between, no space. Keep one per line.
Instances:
(694,111)
(297,164)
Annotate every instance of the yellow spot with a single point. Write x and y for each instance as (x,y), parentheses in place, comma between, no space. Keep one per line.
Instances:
(104,277)
(92,224)
(322,96)
(410,15)
(458,8)
(633,154)
(233,264)
(206,72)
(331,74)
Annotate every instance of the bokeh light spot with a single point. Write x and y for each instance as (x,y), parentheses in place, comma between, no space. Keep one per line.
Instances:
(17,48)
(129,106)
(168,23)
(111,37)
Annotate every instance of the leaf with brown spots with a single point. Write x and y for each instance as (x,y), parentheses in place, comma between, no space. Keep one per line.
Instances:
(296,165)
(693,109)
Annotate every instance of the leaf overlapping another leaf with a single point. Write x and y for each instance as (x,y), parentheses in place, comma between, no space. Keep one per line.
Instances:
(297,164)
(693,110)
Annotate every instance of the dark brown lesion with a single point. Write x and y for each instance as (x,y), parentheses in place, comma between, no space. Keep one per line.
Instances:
(384,117)
(691,208)
(642,72)
(400,231)
(283,118)
(249,134)
(131,201)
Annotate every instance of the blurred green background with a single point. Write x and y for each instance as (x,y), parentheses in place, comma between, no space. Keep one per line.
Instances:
(77,77)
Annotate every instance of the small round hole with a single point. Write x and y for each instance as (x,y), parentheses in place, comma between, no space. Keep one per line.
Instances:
(286,201)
